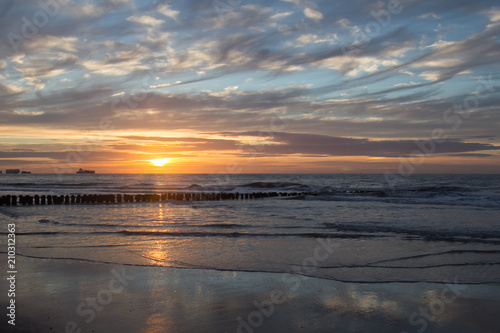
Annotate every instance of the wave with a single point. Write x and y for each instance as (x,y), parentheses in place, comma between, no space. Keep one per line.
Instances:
(274,185)
(175,224)
(354,231)
(415,266)
(462,191)
(240,234)
(490,236)
(426,255)
(99,225)
(141,188)
(79,246)
(47,221)
(51,185)
(397,191)
(195,187)
(223,225)
(434,195)
(156,233)
(347,233)
(8,214)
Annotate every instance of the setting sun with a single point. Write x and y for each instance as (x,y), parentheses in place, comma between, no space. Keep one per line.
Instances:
(160,162)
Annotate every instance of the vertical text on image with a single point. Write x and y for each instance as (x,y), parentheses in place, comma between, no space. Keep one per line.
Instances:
(11,273)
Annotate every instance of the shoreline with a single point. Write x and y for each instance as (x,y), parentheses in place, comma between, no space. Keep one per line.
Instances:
(65,296)
(249,271)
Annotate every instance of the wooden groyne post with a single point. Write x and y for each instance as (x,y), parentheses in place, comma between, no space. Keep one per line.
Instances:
(78,199)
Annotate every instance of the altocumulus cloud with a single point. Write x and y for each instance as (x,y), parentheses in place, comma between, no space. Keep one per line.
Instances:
(361,78)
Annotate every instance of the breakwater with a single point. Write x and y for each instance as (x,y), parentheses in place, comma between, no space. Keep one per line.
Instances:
(79,199)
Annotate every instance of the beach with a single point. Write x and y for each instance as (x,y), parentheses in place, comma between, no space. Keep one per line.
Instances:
(160,299)
(350,255)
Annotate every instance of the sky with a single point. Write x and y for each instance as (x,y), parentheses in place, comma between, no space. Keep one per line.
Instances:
(247,86)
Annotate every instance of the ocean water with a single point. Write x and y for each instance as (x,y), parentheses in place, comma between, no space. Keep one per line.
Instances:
(354,228)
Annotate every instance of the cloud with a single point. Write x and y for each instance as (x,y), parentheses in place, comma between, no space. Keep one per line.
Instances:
(295,2)
(406,84)
(493,14)
(146,20)
(120,63)
(91,9)
(227,91)
(178,144)
(169,12)
(352,66)
(164,85)
(305,39)
(51,44)
(449,58)
(313,14)
(432,76)
(7,89)
(120,2)
(147,69)
(26,113)
(280,16)
(309,12)
(343,22)
(311,144)
(429,15)
(37,70)
(44,57)
(268,143)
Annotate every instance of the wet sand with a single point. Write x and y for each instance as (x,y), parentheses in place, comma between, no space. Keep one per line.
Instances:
(76,296)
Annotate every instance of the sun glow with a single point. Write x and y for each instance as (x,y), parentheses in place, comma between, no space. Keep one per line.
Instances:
(160,162)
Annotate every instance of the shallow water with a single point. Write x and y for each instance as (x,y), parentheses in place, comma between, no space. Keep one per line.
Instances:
(163,299)
(355,228)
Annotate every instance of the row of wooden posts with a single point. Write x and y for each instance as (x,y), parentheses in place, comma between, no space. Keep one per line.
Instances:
(13,200)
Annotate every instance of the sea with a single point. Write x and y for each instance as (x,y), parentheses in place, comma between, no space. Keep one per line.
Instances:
(359,228)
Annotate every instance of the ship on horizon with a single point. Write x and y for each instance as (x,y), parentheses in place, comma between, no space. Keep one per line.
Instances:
(85,171)
(12,171)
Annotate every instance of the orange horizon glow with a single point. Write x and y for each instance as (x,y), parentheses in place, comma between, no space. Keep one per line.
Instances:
(230,163)
(191,152)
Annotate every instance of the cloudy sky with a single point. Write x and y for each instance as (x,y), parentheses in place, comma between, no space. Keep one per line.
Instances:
(245,86)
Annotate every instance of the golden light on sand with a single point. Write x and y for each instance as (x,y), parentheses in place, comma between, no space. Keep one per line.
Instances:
(160,162)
